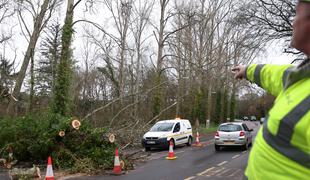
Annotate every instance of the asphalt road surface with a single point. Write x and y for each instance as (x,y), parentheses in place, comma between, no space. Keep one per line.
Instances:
(191,163)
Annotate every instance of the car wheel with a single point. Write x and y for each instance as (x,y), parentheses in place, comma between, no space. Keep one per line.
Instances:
(245,147)
(217,147)
(147,149)
(190,141)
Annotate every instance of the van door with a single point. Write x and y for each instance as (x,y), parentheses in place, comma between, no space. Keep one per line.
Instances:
(177,133)
(188,129)
(184,133)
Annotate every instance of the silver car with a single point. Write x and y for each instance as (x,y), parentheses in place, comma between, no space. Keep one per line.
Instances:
(233,134)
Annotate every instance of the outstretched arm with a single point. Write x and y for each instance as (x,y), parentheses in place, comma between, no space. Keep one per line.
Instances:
(269,77)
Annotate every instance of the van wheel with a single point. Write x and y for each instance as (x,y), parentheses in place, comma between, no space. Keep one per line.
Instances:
(190,141)
(147,149)
(173,143)
(217,147)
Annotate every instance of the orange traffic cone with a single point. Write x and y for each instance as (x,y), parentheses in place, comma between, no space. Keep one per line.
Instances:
(117,165)
(49,170)
(197,143)
(171,155)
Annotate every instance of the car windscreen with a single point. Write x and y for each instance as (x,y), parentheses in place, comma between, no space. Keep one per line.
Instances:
(230,128)
(162,127)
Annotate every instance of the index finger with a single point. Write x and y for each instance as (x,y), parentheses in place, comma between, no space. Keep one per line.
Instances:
(237,68)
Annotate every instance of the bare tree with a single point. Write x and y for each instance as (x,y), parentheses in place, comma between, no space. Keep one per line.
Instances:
(162,36)
(121,13)
(40,20)
(142,12)
(205,49)
(7,10)
(270,18)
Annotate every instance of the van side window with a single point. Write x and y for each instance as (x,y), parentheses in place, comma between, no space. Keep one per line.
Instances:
(177,127)
(188,126)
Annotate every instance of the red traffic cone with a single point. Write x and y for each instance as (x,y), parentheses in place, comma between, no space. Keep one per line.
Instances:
(197,143)
(117,170)
(171,155)
(49,171)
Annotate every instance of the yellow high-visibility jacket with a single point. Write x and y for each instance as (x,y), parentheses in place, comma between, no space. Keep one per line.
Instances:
(282,146)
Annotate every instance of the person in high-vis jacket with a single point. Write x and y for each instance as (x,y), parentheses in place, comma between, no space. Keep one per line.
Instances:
(281,150)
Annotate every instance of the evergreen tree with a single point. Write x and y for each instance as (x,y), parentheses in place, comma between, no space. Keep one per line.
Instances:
(225,105)
(218,107)
(50,55)
(232,107)
(200,105)
(6,77)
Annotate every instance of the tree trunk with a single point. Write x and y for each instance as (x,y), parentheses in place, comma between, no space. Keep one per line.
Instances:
(62,100)
(121,68)
(158,94)
(232,102)
(31,85)
(138,45)
(29,53)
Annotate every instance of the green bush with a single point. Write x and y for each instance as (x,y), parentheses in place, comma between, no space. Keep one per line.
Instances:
(34,138)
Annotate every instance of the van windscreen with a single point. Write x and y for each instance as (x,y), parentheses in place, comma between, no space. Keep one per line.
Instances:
(162,127)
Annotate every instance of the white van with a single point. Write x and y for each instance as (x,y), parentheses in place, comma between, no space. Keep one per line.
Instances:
(159,136)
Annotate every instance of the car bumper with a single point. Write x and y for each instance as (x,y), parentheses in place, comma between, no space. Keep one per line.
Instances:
(158,143)
(236,142)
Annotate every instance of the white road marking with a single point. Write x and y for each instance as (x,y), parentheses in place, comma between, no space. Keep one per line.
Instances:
(236,156)
(224,162)
(223,172)
(244,152)
(235,172)
(189,178)
(205,171)
(214,172)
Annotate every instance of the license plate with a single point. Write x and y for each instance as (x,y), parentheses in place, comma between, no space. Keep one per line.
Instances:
(229,141)
(150,142)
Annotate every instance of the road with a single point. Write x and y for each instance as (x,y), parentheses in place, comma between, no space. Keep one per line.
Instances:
(192,163)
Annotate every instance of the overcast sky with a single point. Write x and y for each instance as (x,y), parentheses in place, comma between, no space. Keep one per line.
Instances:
(274,53)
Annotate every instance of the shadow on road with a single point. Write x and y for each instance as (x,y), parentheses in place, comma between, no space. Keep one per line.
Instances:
(231,149)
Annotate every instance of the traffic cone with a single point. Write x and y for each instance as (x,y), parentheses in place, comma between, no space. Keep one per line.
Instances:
(49,171)
(197,143)
(171,155)
(117,170)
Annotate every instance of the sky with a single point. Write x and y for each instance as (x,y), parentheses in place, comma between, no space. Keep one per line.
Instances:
(274,51)
(274,55)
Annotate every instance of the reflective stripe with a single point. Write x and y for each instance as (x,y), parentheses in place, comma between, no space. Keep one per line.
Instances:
(257,74)
(285,74)
(288,123)
(282,140)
